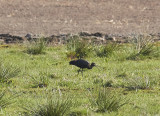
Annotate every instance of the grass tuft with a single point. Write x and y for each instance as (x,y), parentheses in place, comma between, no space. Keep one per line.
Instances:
(55,106)
(7,71)
(143,48)
(6,101)
(106,50)
(36,47)
(78,48)
(105,101)
(138,83)
(41,80)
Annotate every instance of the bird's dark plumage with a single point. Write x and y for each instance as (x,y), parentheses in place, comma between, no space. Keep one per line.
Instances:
(82,64)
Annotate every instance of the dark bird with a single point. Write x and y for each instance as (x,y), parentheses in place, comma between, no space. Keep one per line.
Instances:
(82,64)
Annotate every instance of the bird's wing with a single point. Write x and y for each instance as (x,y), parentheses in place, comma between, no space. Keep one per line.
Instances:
(82,63)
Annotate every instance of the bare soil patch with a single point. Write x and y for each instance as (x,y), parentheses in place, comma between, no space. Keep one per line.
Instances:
(48,17)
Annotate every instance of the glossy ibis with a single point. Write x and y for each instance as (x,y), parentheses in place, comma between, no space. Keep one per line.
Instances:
(82,64)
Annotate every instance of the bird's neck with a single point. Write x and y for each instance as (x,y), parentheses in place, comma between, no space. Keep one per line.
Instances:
(90,67)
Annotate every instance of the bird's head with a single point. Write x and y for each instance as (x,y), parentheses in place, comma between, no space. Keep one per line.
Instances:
(93,64)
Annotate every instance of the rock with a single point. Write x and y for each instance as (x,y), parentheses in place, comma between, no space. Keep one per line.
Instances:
(97,34)
(84,34)
(97,38)
(28,36)
(10,38)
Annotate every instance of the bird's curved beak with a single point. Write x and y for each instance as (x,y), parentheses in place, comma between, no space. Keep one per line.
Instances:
(98,67)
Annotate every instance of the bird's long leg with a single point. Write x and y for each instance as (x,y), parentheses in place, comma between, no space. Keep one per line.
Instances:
(79,71)
(82,72)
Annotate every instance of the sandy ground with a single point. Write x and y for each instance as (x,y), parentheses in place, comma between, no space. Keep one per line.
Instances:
(48,17)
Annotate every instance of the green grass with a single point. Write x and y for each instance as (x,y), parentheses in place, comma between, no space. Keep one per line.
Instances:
(42,74)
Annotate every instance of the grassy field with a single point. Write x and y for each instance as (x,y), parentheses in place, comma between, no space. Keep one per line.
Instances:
(44,84)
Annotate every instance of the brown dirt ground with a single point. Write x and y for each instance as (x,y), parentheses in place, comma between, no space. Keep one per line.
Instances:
(47,17)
